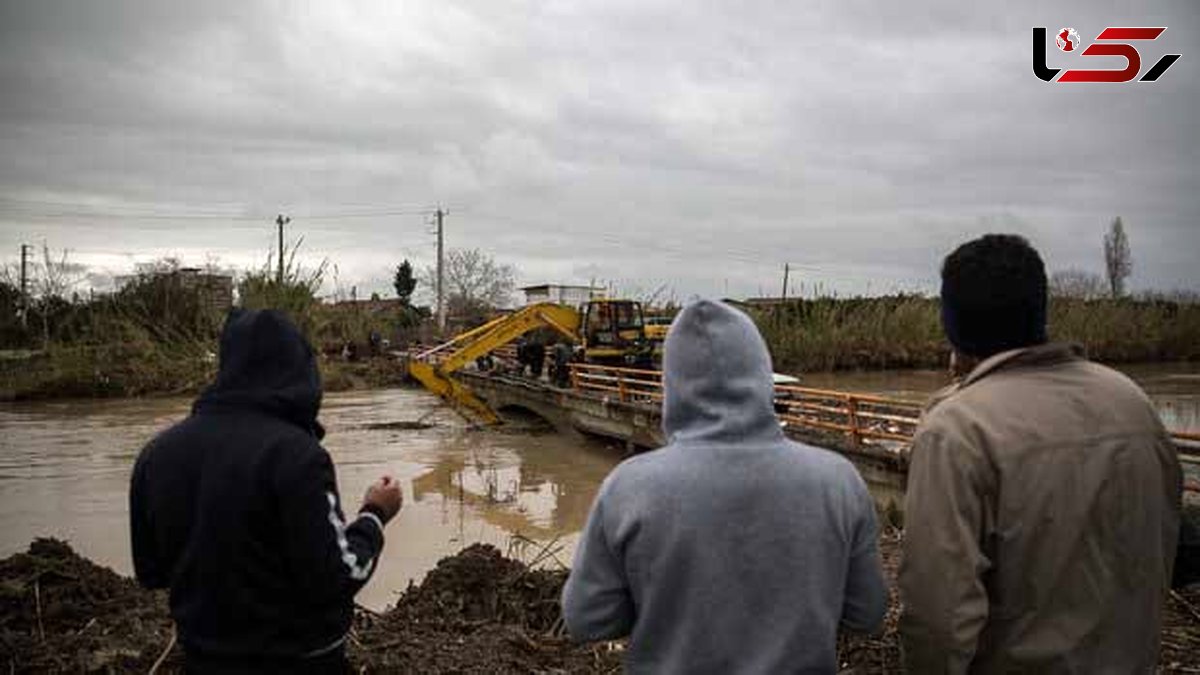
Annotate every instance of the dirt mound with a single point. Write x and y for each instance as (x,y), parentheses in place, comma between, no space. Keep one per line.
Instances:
(61,612)
(480,584)
(477,611)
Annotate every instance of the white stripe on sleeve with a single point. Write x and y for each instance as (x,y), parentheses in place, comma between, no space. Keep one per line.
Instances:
(357,572)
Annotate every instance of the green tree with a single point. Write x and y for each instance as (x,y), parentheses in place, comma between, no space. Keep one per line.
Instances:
(405,282)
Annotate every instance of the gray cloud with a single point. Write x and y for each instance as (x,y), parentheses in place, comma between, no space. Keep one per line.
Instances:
(700,147)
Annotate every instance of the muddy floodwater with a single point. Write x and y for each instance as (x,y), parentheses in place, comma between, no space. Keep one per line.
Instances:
(64,469)
(65,466)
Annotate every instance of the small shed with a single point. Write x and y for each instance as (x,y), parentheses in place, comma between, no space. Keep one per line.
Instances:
(562,294)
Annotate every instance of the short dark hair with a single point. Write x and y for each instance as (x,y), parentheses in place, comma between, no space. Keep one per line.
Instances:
(994,295)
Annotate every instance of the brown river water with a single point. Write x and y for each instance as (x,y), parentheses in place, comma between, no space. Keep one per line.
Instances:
(64,469)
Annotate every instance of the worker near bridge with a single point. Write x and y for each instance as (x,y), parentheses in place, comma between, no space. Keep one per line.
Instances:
(563,355)
(236,511)
(1043,497)
(732,549)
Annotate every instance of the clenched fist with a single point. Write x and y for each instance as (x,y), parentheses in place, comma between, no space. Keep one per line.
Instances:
(384,498)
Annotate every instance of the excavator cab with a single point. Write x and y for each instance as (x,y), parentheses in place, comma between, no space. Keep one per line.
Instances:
(614,333)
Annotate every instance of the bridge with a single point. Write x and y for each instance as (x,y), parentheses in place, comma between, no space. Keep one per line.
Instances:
(624,404)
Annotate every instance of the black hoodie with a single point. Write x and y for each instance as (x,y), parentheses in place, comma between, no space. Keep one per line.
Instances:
(236,508)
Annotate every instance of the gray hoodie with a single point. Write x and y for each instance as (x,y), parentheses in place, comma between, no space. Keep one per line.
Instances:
(732,549)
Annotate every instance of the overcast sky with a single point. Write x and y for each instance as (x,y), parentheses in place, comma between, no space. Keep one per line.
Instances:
(695,145)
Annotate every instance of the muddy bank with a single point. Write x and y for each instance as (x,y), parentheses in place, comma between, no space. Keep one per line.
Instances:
(60,612)
(100,372)
(477,611)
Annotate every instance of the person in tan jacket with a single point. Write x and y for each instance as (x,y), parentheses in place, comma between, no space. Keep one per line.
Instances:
(1042,507)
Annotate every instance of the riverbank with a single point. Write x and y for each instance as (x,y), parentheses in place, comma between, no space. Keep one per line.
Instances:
(905,331)
(809,336)
(126,371)
(477,611)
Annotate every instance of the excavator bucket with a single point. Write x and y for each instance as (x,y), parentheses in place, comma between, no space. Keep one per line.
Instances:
(456,394)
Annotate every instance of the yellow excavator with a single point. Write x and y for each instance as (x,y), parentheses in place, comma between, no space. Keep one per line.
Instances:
(609,332)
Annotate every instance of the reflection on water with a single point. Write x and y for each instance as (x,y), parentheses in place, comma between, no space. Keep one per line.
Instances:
(64,468)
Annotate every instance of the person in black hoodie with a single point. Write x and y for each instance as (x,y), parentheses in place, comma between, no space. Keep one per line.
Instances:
(236,510)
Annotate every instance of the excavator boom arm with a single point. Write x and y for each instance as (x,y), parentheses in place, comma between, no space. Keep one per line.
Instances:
(475,343)
(503,331)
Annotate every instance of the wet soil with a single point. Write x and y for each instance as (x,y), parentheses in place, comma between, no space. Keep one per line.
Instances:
(62,613)
(476,612)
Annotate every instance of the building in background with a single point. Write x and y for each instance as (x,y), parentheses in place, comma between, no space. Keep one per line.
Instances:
(562,294)
(216,290)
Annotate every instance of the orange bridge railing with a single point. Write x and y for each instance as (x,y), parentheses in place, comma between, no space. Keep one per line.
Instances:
(862,418)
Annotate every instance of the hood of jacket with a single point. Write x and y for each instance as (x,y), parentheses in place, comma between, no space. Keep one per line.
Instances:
(717,378)
(268,366)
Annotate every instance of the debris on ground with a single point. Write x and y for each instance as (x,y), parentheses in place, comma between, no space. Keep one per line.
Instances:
(476,612)
(60,612)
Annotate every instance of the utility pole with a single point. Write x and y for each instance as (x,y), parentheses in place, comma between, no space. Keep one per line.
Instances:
(783,296)
(24,285)
(441,304)
(280,220)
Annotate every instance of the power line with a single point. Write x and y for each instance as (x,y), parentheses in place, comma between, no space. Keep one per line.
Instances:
(722,251)
(213,216)
(232,205)
(82,210)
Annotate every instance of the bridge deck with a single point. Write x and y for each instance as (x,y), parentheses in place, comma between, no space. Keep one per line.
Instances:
(625,405)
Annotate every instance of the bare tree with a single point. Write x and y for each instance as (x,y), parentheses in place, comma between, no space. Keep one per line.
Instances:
(10,275)
(474,281)
(1117,260)
(51,281)
(1077,283)
(12,305)
(55,278)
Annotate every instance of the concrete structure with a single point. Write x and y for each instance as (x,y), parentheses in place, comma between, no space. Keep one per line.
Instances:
(216,289)
(572,296)
(624,413)
(639,426)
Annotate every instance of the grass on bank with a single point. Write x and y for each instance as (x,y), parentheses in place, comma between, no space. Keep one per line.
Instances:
(904,331)
(159,335)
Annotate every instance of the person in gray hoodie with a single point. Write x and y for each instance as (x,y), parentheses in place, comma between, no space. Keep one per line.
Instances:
(732,549)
